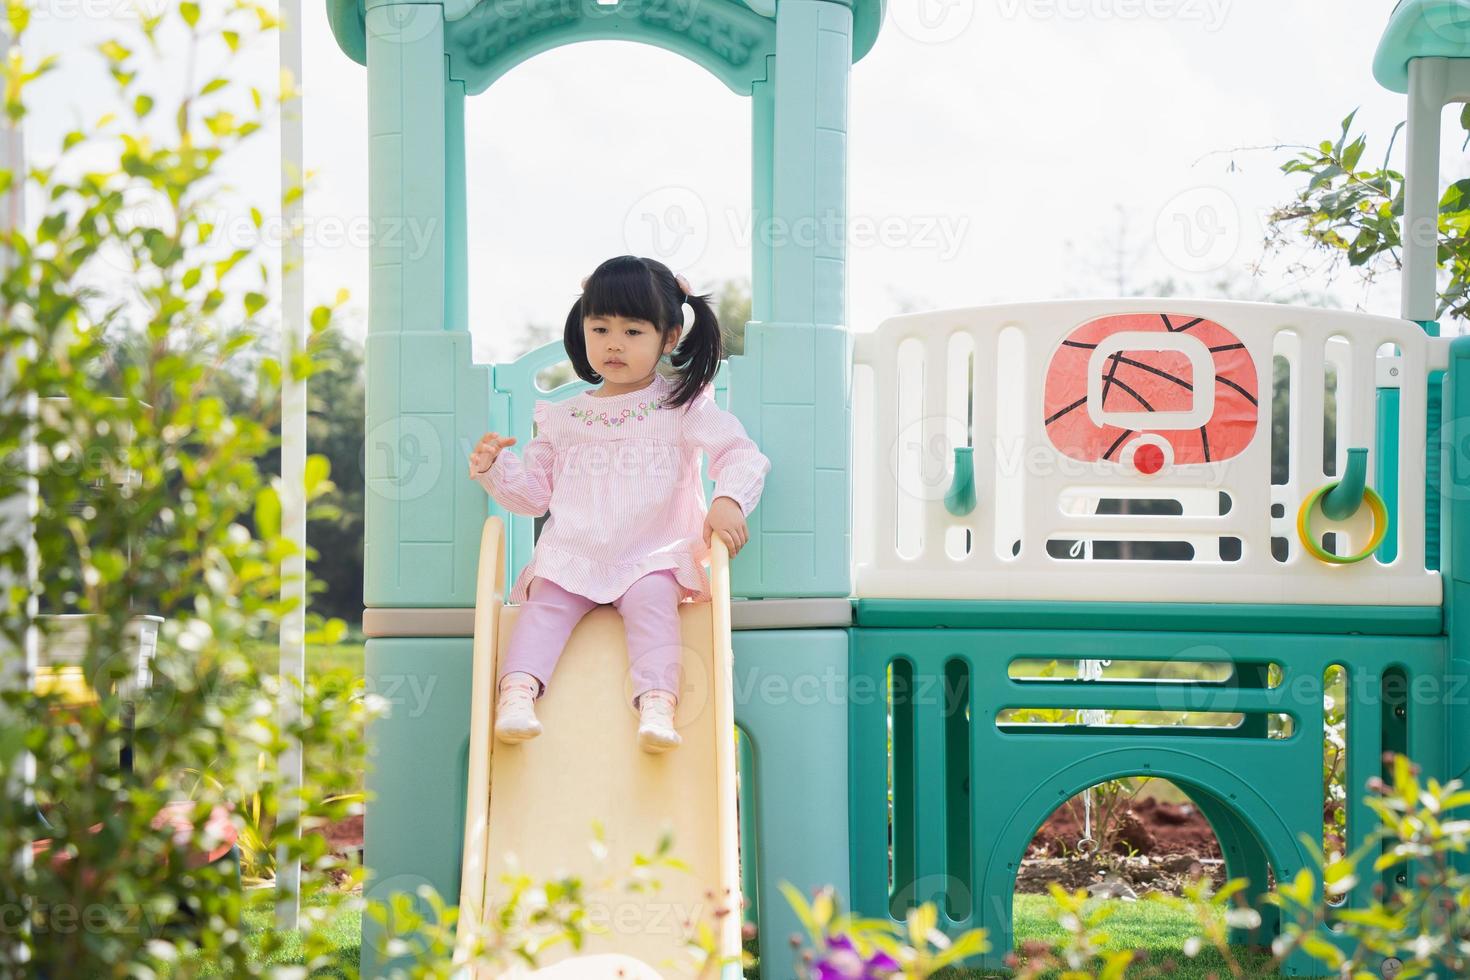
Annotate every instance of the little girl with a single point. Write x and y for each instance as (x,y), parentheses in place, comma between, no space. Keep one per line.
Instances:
(618,468)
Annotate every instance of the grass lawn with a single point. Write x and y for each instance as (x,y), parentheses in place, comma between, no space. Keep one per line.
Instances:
(1136,925)
(319,659)
(345,933)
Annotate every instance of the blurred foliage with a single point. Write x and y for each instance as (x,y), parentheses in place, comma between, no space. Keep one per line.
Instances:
(152,499)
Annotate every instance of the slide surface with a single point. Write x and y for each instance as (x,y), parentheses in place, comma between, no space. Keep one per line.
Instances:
(538,800)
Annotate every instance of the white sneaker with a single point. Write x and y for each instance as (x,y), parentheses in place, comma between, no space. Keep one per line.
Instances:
(515,716)
(656,722)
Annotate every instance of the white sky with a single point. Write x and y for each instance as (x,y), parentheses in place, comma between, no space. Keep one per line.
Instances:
(1000,146)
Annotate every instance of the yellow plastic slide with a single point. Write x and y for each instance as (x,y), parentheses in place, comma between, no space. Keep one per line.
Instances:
(539,800)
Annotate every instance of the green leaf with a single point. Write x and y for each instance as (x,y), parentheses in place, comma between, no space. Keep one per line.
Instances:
(1323,951)
(254,303)
(214,85)
(114,52)
(142,105)
(267,513)
(190,12)
(318,467)
(19,15)
(221,123)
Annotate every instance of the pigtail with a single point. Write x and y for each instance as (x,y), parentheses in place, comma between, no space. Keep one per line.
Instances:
(576,345)
(697,358)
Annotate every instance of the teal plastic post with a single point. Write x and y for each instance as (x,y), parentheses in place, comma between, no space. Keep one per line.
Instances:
(1343,500)
(961,497)
(418,758)
(791,388)
(426,399)
(791,701)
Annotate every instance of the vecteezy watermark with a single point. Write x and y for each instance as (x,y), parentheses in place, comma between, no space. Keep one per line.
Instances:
(1452,442)
(932,21)
(1199,230)
(1211,13)
(230,230)
(403,458)
(92,918)
(674,224)
(671,224)
(73,10)
(920,460)
(829,230)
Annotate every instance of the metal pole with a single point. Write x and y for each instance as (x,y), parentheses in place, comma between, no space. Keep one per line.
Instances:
(293,449)
(1428,82)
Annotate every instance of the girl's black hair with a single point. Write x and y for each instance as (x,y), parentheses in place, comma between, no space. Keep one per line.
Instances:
(645,289)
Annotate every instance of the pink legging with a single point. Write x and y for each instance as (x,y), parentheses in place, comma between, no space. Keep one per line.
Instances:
(650,611)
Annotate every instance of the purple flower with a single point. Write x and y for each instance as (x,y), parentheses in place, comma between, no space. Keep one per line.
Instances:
(843,962)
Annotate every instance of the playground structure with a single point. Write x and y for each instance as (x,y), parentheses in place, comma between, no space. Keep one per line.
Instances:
(942,511)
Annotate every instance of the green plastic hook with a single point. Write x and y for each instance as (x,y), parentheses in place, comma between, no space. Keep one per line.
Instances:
(961,497)
(1343,500)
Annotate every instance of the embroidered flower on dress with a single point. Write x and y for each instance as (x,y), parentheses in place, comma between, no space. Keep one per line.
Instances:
(643,411)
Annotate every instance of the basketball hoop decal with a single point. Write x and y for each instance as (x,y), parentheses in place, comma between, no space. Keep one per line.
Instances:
(1156,378)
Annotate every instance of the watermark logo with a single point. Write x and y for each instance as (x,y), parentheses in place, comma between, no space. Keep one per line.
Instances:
(403,458)
(932,21)
(1211,14)
(671,224)
(1199,229)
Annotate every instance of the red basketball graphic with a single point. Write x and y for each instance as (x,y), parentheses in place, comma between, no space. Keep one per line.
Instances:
(1151,389)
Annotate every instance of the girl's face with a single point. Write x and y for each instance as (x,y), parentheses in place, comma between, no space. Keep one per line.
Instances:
(625,352)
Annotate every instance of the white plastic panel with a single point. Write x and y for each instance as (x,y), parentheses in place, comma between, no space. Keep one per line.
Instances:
(911,402)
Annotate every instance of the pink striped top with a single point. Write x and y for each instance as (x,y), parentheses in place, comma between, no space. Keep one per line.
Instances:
(620,476)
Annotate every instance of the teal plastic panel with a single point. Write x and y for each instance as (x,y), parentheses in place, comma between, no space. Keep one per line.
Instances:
(1454,483)
(1386,465)
(418,757)
(1421,29)
(1230,617)
(1433,411)
(969,793)
(790,390)
(427,407)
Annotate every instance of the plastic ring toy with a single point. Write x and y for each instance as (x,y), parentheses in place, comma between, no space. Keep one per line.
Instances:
(1308,540)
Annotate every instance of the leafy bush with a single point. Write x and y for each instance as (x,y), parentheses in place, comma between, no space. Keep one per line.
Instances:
(151,501)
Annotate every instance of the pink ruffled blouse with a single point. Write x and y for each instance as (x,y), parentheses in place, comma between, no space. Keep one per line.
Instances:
(620,476)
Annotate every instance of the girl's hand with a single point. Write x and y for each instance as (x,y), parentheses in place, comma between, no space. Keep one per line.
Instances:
(726,517)
(484,455)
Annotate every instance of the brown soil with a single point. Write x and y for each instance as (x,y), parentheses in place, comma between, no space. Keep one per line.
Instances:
(1157,845)
(344,837)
